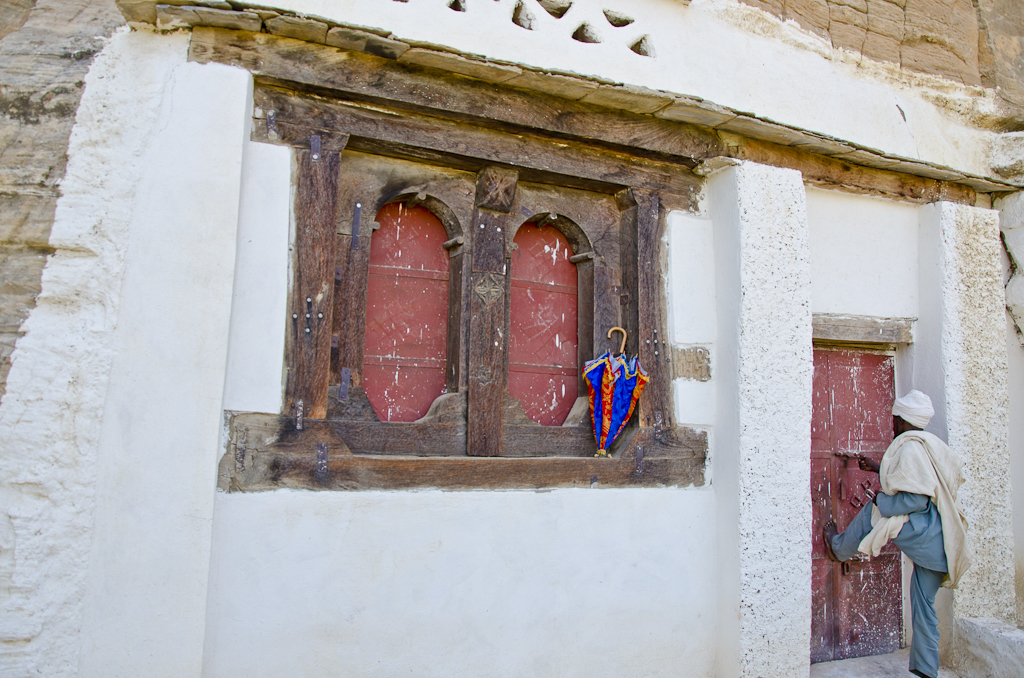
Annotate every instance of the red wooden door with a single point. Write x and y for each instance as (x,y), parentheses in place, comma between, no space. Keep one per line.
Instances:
(856,606)
(543,361)
(406,313)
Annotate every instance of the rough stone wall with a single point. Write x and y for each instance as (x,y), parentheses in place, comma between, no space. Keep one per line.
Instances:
(939,37)
(1001,50)
(46,48)
(51,416)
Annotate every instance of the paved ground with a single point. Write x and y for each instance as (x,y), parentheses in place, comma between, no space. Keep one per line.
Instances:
(883,666)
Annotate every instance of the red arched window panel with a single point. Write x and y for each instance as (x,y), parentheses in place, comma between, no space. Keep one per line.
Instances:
(543,369)
(406,313)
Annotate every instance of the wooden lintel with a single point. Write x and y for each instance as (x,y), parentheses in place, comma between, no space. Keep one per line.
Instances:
(861,329)
(831,173)
(351,75)
(355,77)
(461,145)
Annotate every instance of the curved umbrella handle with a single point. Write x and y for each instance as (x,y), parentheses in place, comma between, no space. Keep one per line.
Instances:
(622,348)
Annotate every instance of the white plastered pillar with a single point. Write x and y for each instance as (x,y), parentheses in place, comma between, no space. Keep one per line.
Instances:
(146,589)
(960,360)
(760,464)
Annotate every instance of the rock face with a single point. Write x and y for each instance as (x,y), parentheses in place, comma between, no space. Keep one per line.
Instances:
(46,47)
(975,42)
(1002,49)
(939,37)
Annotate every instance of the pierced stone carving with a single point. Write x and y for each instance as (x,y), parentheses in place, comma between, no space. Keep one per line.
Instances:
(616,19)
(586,33)
(556,8)
(642,47)
(522,17)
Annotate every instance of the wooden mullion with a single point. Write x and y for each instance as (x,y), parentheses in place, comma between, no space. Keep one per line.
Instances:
(652,340)
(316,210)
(489,292)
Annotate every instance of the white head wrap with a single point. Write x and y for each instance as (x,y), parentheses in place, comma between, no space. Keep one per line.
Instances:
(915,408)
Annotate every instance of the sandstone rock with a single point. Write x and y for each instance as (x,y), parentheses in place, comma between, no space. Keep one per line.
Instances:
(138,11)
(549,83)
(300,29)
(172,17)
(347,38)
(939,37)
(1007,156)
(881,47)
(44,56)
(850,36)
(239,21)
(635,99)
(695,112)
(388,48)
(811,14)
(1002,25)
(454,63)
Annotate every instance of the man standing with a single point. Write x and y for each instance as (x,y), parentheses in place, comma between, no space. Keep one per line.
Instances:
(919,512)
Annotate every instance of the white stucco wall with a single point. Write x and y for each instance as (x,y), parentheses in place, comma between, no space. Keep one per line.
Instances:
(112,417)
(163,305)
(160,441)
(566,582)
(562,583)
(719,50)
(52,414)
(693,322)
(863,255)
(761,458)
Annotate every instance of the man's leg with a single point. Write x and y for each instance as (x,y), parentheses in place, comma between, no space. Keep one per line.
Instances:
(844,544)
(924,646)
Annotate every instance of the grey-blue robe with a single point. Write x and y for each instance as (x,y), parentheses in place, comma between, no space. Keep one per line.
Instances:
(921,540)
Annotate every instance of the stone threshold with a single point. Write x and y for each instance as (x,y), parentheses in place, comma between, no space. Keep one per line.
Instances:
(174,15)
(881,666)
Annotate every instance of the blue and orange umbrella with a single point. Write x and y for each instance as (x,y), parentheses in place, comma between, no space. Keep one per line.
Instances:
(614,383)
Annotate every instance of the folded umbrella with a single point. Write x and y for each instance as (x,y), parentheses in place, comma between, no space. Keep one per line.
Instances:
(614,384)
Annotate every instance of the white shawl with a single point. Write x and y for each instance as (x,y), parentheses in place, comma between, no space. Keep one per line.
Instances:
(920,463)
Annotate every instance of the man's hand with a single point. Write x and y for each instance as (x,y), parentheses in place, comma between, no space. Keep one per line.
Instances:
(868,464)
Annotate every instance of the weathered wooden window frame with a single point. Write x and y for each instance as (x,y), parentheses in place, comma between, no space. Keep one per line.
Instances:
(327,437)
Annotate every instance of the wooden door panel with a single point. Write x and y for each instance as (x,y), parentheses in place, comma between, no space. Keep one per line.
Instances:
(869,608)
(822,627)
(822,484)
(857,606)
(543,346)
(406,313)
(863,393)
(821,417)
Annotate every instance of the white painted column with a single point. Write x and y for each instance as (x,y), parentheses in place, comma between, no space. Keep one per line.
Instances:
(761,449)
(960,360)
(145,604)
(1011,224)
